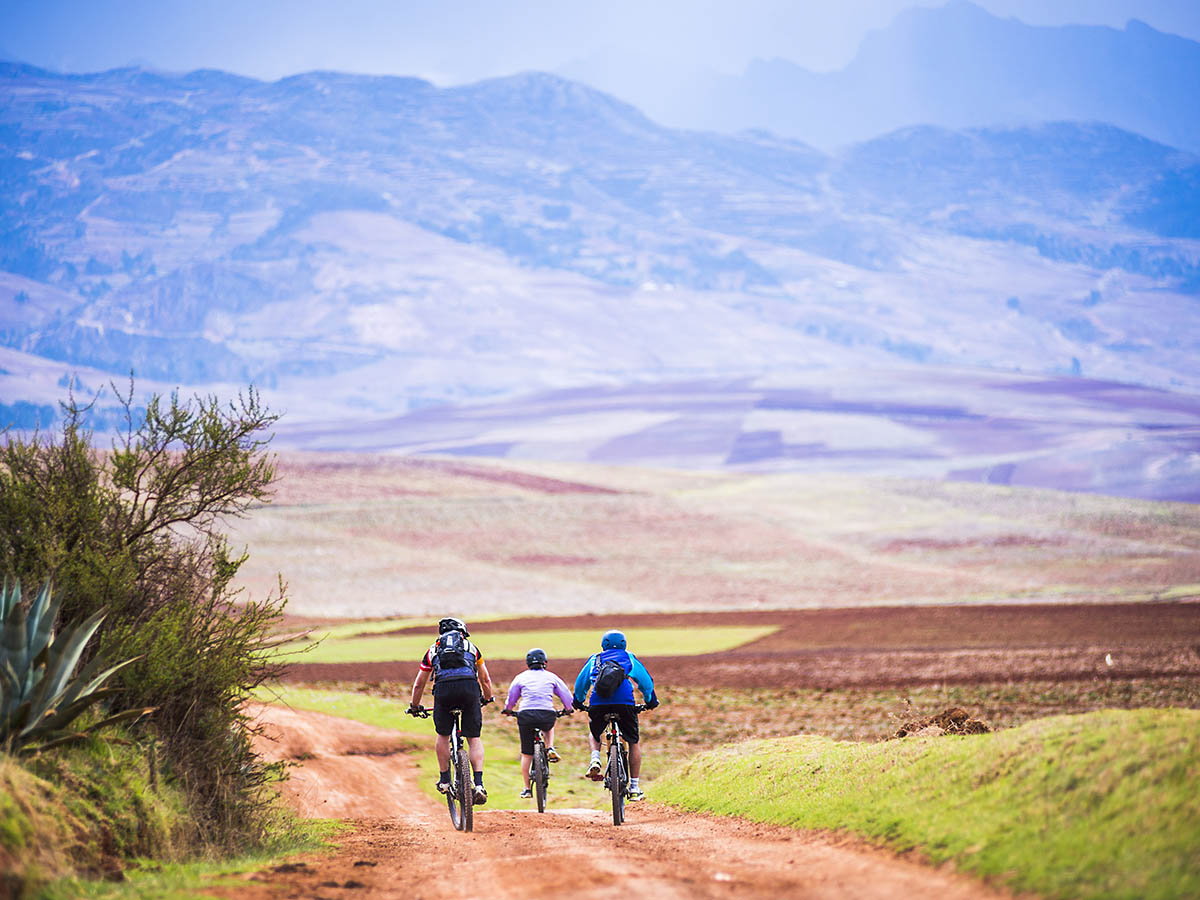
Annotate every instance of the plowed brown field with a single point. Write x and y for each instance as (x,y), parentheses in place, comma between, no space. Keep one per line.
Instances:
(883,646)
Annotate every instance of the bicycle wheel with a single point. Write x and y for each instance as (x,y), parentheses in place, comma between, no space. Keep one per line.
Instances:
(539,771)
(466,790)
(616,782)
(452,796)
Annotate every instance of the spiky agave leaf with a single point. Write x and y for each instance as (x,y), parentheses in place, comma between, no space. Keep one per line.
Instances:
(9,598)
(39,626)
(40,692)
(60,663)
(78,697)
(61,738)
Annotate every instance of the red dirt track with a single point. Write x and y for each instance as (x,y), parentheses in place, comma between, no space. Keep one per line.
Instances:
(401,842)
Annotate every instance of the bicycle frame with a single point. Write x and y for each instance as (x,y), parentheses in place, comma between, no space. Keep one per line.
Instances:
(460,799)
(616,772)
(539,764)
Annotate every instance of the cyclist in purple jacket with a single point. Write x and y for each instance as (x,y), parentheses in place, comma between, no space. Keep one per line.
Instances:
(536,688)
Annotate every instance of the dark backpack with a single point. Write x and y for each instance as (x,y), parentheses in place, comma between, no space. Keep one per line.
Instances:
(609,677)
(450,651)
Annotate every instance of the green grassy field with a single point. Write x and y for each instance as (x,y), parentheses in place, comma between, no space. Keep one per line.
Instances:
(558,643)
(1102,804)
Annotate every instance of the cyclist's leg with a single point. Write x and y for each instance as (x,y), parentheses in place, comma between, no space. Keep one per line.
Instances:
(632,735)
(525,729)
(475,751)
(596,726)
(548,737)
(441,747)
(472,725)
(443,721)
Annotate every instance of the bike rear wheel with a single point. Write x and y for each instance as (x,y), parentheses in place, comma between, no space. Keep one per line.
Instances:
(617,781)
(466,792)
(454,796)
(540,770)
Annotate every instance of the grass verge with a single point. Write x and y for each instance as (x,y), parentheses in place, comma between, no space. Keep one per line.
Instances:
(193,880)
(101,819)
(85,810)
(1095,805)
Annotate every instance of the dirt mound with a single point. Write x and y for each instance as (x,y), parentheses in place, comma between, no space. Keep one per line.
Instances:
(955,720)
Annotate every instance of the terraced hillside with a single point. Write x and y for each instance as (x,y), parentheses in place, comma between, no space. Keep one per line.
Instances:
(360,536)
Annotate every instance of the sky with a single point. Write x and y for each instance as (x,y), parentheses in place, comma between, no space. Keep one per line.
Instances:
(457,41)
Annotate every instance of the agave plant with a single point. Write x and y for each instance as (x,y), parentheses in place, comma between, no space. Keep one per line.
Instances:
(41,694)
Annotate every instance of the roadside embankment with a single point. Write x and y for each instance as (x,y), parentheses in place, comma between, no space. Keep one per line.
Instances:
(85,811)
(1096,805)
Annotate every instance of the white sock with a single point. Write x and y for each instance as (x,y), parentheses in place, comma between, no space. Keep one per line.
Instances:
(633,784)
(595,756)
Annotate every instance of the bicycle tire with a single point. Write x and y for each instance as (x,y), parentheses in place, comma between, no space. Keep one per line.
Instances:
(453,796)
(616,782)
(466,787)
(540,773)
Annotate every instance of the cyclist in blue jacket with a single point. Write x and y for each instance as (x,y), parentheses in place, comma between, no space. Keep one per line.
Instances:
(620,701)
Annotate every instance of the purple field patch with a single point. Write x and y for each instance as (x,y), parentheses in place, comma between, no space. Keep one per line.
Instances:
(1065,433)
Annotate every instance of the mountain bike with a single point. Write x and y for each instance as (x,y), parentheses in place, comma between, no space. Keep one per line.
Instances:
(460,799)
(616,772)
(539,766)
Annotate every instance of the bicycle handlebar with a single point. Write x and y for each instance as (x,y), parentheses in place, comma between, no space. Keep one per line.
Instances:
(419,712)
(639,707)
(558,715)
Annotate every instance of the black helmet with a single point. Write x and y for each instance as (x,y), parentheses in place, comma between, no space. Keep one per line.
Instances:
(536,658)
(612,640)
(452,624)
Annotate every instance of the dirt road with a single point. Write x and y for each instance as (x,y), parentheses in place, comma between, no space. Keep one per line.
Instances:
(402,845)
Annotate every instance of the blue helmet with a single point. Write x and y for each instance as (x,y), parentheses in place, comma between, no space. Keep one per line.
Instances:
(613,640)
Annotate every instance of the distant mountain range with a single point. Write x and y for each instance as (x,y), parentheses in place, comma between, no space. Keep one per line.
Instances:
(955,66)
(361,247)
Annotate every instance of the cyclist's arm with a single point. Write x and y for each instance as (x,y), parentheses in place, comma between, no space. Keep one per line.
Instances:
(641,678)
(419,683)
(560,688)
(583,680)
(485,681)
(514,693)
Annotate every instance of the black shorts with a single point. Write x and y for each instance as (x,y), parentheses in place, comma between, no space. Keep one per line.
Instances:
(528,720)
(461,694)
(627,720)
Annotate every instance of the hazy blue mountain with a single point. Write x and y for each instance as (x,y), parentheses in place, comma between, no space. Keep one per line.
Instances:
(958,66)
(364,246)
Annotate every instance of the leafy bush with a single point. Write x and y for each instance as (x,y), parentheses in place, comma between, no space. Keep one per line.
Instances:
(39,696)
(136,530)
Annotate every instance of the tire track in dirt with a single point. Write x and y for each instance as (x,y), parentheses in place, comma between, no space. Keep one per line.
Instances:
(402,845)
